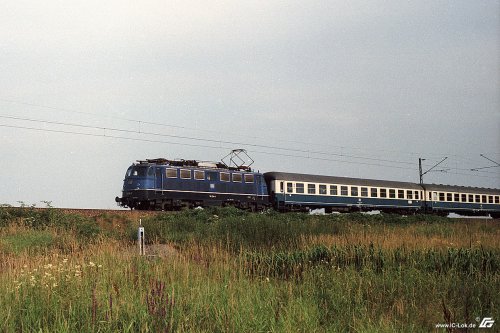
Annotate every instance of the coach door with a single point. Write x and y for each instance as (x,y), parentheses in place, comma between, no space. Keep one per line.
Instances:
(212,178)
(260,187)
(158,179)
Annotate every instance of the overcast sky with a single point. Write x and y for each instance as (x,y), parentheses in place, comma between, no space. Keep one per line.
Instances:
(343,88)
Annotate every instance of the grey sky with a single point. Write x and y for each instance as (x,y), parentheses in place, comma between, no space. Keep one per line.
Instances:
(385,80)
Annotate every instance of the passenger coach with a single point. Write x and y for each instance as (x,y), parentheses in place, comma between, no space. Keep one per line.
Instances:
(293,191)
(444,199)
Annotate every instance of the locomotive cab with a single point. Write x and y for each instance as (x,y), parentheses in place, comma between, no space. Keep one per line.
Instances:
(139,179)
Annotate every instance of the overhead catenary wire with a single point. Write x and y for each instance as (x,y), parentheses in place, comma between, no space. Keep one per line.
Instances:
(234,143)
(213,147)
(139,122)
(220,141)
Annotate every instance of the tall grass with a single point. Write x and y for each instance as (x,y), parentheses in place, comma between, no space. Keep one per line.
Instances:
(239,272)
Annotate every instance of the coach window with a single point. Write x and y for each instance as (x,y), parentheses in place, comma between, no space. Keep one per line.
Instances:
(248,178)
(224,177)
(441,196)
(311,188)
(199,175)
(409,194)
(186,174)
(463,197)
(449,197)
(392,193)
(456,197)
(289,188)
(373,192)
(364,191)
(401,194)
(497,199)
(333,190)
(344,190)
(236,177)
(299,187)
(171,173)
(322,189)
(484,199)
(417,195)
(490,199)
(478,198)
(383,193)
(354,191)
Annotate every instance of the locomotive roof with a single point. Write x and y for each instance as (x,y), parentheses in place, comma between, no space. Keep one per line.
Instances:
(193,164)
(375,182)
(339,180)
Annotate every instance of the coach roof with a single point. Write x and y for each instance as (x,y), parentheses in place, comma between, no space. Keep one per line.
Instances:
(285,176)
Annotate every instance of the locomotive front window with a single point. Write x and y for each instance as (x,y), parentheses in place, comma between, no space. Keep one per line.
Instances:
(333,190)
(138,171)
(171,173)
(289,187)
(322,189)
(344,190)
(249,178)
(299,187)
(237,177)
(311,188)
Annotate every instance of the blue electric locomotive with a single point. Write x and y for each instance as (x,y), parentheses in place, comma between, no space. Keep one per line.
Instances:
(161,184)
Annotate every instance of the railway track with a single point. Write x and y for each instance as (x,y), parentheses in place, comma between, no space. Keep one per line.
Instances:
(92,212)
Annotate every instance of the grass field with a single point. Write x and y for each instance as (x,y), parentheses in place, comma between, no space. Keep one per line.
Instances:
(225,270)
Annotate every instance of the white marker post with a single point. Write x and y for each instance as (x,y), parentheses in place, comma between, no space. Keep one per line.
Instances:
(141,239)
